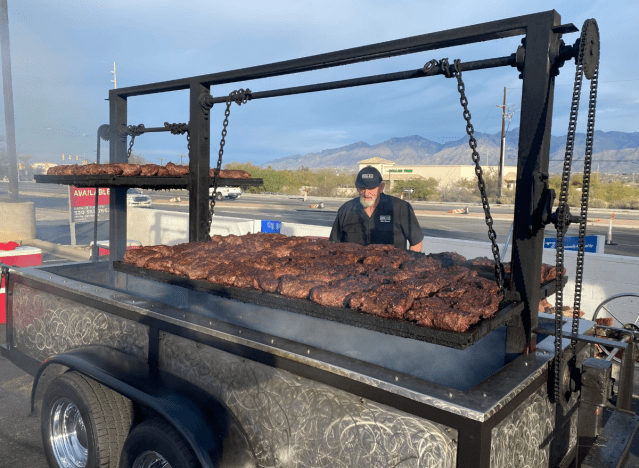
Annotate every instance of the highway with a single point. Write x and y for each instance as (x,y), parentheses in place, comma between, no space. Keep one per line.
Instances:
(52,218)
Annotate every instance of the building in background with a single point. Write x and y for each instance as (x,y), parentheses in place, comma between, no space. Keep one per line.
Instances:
(445,176)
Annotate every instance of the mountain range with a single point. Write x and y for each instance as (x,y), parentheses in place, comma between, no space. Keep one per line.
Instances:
(612,152)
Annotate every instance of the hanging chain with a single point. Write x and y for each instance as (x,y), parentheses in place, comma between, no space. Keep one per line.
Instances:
(133,130)
(562,209)
(180,129)
(451,72)
(240,96)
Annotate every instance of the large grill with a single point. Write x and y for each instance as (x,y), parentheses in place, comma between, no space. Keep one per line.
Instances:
(451,339)
(150,182)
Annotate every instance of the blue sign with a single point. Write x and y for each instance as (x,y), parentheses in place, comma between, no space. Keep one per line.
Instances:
(571,243)
(271,226)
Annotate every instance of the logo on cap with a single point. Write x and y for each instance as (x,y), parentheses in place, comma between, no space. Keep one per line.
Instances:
(367,176)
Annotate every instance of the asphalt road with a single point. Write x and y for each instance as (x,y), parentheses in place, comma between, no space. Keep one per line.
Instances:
(51,203)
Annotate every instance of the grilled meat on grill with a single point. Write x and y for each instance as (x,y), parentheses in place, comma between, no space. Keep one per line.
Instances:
(443,290)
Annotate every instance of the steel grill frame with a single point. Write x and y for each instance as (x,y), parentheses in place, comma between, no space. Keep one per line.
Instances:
(145,182)
(450,339)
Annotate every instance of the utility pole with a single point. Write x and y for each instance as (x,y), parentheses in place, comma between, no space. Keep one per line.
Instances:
(502,149)
(115,78)
(161,160)
(8,102)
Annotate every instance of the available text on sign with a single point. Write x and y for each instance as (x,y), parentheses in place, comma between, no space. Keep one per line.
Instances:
(82,204)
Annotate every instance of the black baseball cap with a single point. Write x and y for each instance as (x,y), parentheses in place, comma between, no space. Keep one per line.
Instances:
(368,178)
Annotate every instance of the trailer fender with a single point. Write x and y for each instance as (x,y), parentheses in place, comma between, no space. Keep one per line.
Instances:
(206,424)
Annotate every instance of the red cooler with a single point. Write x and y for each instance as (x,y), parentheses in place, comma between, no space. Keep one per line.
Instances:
(19,257)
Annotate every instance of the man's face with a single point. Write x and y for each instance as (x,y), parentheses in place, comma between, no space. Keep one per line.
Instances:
(368,197)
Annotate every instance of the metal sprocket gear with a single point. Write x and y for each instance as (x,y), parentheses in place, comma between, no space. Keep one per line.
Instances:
(568,379)
(590,36)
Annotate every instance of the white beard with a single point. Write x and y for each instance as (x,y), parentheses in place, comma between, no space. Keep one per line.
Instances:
(367,203)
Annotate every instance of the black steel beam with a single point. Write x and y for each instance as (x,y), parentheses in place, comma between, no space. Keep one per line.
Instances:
(532,167)
(439,40)
(199,163)
(375,79)
(117,198)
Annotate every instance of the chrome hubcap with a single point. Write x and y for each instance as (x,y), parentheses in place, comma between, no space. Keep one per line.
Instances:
(150,459)
(68,437)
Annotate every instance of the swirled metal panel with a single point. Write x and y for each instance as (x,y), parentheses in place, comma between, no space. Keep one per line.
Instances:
(533,436)
(45,324)
(293,421)
(522,439)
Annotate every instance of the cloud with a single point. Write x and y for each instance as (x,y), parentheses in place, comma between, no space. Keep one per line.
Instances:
(63,54)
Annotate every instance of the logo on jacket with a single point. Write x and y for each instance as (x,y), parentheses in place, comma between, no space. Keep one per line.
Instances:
(384,218)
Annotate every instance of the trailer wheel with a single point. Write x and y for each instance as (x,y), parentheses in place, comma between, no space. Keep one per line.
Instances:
(75,429)
(155,444)
(219,196)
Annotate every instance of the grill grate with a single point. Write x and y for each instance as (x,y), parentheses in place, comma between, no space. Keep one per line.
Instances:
(457,340)
(144,182)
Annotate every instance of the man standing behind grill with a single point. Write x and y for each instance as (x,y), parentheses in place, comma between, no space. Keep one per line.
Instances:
(376,218)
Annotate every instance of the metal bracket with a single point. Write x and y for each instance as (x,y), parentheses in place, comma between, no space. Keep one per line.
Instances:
(177,128)
(205,104)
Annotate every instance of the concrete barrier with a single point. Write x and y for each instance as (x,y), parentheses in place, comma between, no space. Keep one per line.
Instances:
(17,221)
(154,227)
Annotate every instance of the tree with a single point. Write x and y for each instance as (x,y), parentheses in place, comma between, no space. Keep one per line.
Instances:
(424,189)
(137,159)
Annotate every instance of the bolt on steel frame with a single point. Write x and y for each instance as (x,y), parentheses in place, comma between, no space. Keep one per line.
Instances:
(537,61)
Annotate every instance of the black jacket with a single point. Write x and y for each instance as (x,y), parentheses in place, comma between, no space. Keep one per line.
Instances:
(393,222)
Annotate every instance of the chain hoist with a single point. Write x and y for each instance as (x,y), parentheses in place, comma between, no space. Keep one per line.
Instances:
(587,62)
(239,96)
(455,72)
(133,131)
(180,129)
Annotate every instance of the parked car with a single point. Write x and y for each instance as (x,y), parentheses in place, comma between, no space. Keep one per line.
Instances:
(134,197)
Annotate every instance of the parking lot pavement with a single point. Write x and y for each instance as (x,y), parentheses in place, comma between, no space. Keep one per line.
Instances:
(20,440)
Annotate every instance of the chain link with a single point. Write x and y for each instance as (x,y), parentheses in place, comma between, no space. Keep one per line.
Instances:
(240,96)
(562,212)
(180,129)
(133,130)
(455,71)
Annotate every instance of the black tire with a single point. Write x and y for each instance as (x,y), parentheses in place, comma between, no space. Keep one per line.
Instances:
(219,196)
(72,395)
(119,415)
(155,437)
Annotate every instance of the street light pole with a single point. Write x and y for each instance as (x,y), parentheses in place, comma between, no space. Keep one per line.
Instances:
(8,102)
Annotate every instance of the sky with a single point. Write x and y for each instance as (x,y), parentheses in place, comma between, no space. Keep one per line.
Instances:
(63,54)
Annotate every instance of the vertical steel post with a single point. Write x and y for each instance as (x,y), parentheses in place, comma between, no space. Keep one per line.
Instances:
(117,198)
(502,150)
(8,103)
(596,387)
(532,167)
(626,375)
(199,163)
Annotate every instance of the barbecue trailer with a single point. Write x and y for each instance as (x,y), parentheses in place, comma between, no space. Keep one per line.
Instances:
(140,368)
